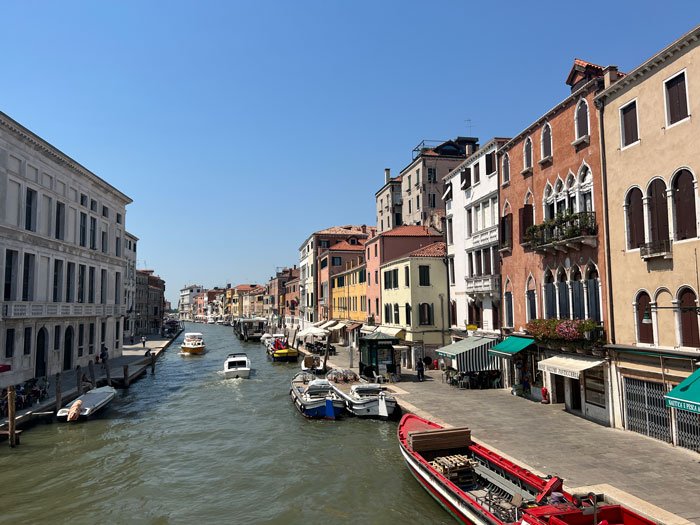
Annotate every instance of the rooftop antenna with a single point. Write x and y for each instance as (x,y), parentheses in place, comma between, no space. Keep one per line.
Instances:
(469,123)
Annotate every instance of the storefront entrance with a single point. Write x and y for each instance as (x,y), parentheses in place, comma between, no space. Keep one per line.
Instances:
(575,395)
(645,411)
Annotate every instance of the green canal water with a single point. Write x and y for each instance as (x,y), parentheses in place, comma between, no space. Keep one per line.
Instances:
(187,446)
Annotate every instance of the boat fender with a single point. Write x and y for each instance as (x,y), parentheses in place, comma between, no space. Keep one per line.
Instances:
(74,412)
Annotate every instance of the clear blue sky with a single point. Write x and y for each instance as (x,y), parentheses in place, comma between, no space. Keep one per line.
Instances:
(238,128)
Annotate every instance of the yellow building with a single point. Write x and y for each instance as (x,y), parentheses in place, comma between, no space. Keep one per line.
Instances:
(414,301)
(349,301)
(651,162)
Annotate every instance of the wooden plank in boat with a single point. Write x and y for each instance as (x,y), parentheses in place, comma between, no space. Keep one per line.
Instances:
(442,439)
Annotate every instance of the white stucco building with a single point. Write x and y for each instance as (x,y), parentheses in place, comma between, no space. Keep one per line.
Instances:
(130,285)
(471,210)
(62,259)
(185,306)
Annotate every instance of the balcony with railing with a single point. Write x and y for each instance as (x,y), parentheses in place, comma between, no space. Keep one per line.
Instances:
(485,237)
(564,233)
(31,309)
(486,284)
(658,248)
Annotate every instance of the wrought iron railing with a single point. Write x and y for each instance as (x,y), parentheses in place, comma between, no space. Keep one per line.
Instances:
(562,228)
(658,248)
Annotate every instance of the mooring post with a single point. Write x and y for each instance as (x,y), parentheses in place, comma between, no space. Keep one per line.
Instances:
(107,373)
(11,415)
(79,380)
(153,364)
(126,376)
(58,391)
(91,369)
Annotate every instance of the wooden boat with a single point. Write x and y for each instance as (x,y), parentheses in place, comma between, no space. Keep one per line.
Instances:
(315,398)
(193,343)
(237,365)
(362,399)
(87,405)
(279,350)
(478,486)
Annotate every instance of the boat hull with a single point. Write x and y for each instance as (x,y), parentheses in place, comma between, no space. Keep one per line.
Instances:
(319,408)
(194,350)
(284,356)
(370,408)
(243,373)
(94,401)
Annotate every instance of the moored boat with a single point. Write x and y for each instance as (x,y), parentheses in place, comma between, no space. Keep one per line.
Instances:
(315,398)
(279,350)
(87,405)
(478,486)
(193,343)
(312,364)
(362,399)
(237,365)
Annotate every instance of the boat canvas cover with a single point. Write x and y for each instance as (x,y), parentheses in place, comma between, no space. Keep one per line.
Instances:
(511,346)
(686,395)
(472,354)
(568,366)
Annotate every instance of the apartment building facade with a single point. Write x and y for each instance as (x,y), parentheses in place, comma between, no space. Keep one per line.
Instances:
(388,202)
(186,304)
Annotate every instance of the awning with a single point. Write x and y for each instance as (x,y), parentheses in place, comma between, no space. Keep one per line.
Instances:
(472,354)
(686,396)
(367,329)
(393,331)
(318,323)
(338,326)
(511,346)
(327,324)
(353,326)
(568,365)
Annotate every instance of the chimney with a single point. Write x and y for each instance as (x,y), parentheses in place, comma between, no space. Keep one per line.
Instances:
(610,76)
(387,175)
(364,226)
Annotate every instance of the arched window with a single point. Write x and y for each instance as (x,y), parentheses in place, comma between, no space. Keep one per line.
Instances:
(527,153)
(506,227)
(563,295)
(581,119)
(684,206)
(658,211)
(634,210)
(425,312)
(645,331)
(546,149)
(559,197)
(571,189)
(593,292)
(408,314)
(508,305)
(506,169)
(549,210)
(577,298)
(585,181)
(531,299)
(550,296)
(689,318)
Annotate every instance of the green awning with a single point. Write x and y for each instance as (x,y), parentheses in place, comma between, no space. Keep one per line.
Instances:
(686,396)
(511,346)
(462,346)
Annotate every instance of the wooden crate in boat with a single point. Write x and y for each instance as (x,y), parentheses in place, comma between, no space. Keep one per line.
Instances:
(457,468)
(441,439)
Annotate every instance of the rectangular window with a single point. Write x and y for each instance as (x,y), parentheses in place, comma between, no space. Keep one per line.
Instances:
(324,262)
(336,261)
(594,386)
(118,248)
(387,313)
(81,283)
(508,306)
(396,314)
(91,339)
(83,229)
(628,123)
(57,280)
(103,333)
(431,200)
(452,270)
(83,200)
(103,242)
(60,226)
(10,342)
(477,175)
(469,222)
(27,340)
(425,312)
(119,218)
(117,287)
(424,275)
(526,220)
(93,205)
(93,233)
(91,285)
(70,283)
(105,211)
(11,264)
(409,206)
(324,244)
(449,231)
(30,211)
(432,175)
(406,276)
(487,261)
(28,277)
(376,277)
(81,340)
(408,314)
(417,202)
(676,99)
(490,162)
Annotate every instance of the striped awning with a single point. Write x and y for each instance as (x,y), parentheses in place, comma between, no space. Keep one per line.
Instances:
(472,354)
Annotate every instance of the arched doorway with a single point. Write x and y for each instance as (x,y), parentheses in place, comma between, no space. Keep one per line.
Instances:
(41,348)
(68,349)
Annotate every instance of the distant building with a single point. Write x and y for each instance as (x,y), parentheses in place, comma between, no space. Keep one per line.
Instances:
(187,294)
(289,307)
(150,302)
(389,202)
(130,285)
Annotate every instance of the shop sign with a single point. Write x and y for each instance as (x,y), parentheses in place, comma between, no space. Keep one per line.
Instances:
(557,370)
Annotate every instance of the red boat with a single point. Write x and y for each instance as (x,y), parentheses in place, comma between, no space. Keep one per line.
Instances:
(478,486)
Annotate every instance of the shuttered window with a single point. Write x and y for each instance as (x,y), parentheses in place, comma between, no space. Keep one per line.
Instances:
(466,178)
(630,135)
(425,312)
(550,297)
(689,319)
(477,175)
(424,275)
(507,230)
(506,169)
(527,154)
(635,219)
(658,211)
(563,299)
(508,305)
(676,101)
(581,120)
(578,299)
(490,162)
(684,205)
(531,305)
(487,261)
(646,331)
(526,220)
(546,141)
(593,289)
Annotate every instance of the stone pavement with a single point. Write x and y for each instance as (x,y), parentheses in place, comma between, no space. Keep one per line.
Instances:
(549,440)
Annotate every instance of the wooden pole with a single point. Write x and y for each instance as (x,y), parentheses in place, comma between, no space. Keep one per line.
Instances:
(325,357)
(107,373)
(91,369)
(153,364)
(126,376)
(79,380)
(11,415)
(58,391)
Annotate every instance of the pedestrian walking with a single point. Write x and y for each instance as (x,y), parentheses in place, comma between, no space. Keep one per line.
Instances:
(420,369)
(143,341)
(104,355)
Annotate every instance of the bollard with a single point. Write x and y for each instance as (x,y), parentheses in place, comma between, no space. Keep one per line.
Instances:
(78,380)
(153,364)
(126,376)
(107,373)
(11,415)
(91,369)
(58,391)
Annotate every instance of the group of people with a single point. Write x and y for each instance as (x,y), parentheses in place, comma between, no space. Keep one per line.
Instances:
(25,396)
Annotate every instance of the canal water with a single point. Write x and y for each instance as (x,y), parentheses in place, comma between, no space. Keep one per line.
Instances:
(187,445)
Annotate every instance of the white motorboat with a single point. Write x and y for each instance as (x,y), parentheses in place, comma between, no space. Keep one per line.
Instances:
(315,398)
(87,405)
(362,399)
(237,365)
(312,364)
(193,343)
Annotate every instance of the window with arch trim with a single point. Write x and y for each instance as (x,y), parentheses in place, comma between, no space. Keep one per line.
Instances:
(581,119)
(531,300)
(685,220)
(658,211)
(550,296)
(634,214)
(593,293)
(546,147)
(505,172)
(689,318)
(527,154)
(563,295)
(508,306)
(645,331)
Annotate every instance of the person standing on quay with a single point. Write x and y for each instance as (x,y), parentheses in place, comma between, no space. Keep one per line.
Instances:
(143,341)
(420,369)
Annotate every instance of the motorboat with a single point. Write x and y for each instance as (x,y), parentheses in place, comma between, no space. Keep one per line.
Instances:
(362,399)
(193,343)
(250,329)
(312,364)
(478,486)
(315,398)
(237,365)
(87,405)
(279,350)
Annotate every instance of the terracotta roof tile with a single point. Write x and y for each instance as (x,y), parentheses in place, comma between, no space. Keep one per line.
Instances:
(343,230)
(345,246)
(411,231)
(437,249)
(583,63)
